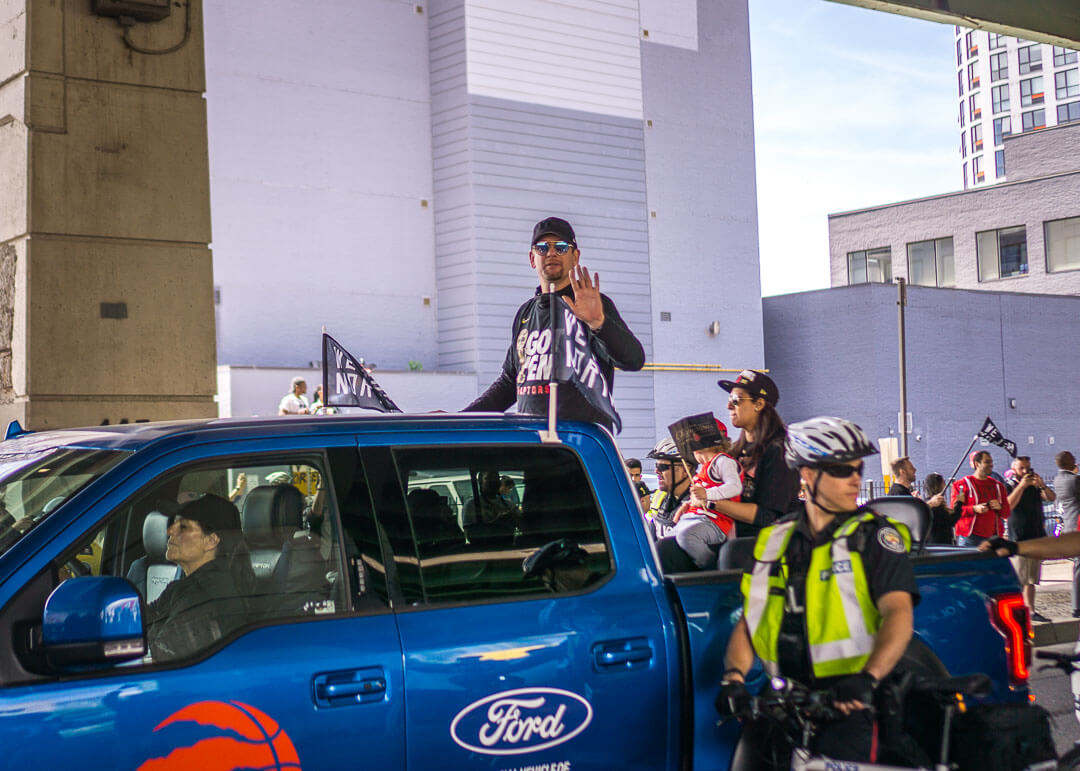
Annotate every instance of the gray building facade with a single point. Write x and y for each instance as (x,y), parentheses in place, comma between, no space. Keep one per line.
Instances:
(970,354)
(378,168)
(1022,235)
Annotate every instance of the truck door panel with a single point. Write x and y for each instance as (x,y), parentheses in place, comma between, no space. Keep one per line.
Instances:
(565,663)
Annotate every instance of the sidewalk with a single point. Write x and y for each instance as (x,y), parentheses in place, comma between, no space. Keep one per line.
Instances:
(1053,598)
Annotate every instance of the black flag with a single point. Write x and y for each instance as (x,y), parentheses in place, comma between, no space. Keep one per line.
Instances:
(570,347)
(347,384)
(990,433)
(694,432)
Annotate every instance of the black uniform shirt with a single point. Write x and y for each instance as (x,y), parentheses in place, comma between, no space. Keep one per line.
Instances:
(887,570)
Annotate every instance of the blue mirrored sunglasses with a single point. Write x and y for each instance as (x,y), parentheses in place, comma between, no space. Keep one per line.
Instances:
(561,247)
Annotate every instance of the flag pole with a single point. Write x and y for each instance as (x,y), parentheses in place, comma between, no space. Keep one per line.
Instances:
(325,380)
(952,477)
(551,436)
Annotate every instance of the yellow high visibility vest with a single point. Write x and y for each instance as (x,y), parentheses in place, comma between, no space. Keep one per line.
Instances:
(841,618)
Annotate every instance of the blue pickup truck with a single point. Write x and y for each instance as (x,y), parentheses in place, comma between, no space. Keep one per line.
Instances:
(520,623)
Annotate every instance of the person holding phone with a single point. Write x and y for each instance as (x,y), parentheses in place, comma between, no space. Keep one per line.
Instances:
(1027,491)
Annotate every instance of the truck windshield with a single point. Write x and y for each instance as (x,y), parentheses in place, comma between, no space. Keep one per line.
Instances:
(34,484)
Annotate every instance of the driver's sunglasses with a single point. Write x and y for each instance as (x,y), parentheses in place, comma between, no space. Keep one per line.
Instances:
(662,467)
(843,470)
(542,247)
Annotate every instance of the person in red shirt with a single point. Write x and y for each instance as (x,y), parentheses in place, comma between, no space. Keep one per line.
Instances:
(985,503)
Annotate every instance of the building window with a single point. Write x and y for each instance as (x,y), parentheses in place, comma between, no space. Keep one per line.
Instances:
(1062,244)
(973,75)
(870,266)
(1068,112)
(1062,56)
(930,263)
(1030,58)
(1002,253)
(974,109)
(1036,119)
(960,82)
(959,52)
(977,174)
(976,137)
(1031,91)
(963,144)
(999,98)
(999,163)
(999,66)
(965,175)
(961,114)
(1002,129)
(972,47)
(996,41)
(1067,83)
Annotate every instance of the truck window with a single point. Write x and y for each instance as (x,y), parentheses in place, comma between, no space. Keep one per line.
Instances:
(284,558)
(521,501)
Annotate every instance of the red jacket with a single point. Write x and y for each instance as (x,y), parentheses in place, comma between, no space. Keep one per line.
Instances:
(989,523)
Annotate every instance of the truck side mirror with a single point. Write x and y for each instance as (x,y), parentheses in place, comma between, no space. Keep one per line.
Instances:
(94,621)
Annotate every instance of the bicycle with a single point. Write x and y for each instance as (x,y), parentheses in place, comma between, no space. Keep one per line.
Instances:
(798,711)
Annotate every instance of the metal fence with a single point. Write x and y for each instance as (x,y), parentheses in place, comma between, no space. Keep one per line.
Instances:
(1052,517)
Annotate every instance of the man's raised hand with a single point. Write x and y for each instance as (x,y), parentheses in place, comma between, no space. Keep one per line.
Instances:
(586,304)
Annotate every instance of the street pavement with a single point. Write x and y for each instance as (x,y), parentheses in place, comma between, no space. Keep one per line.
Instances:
(1051,688)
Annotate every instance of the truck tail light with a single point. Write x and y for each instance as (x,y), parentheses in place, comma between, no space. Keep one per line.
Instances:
(1010,617)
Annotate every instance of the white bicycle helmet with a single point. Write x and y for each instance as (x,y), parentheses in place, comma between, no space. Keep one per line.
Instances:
(824,440)
(665,449)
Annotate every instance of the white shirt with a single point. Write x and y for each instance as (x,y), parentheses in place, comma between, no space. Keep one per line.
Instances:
(291,404)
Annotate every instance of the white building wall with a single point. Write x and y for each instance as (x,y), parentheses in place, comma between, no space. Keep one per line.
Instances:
(978,57)
(377,168)
(320,172)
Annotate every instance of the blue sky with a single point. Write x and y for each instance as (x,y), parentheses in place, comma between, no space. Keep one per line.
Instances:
(852,108)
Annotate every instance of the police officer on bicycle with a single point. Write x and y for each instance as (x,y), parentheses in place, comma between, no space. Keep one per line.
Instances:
(828,600)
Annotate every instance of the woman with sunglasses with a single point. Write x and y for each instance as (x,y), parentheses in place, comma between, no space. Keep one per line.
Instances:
(770,488)
(828,600)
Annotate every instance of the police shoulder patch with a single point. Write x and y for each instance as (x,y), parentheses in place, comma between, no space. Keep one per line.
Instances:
(891,540)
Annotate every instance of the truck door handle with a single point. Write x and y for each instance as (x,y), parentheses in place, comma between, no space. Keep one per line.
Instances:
(352,686)
(621,655)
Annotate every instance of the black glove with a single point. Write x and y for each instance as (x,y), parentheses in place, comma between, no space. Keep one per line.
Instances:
(858,687)
(997,542)
(733,700)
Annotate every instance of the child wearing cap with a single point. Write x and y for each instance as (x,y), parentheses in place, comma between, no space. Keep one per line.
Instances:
(699,530)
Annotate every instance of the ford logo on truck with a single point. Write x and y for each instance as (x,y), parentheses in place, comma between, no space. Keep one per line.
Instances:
(520,721)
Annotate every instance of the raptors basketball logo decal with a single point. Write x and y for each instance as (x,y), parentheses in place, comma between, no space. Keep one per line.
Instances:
(222,736)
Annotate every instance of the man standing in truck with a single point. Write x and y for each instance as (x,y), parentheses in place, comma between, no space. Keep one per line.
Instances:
(828,600)
(554,255)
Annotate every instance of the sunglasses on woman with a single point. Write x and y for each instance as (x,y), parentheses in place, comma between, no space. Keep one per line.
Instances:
(542,247)
(843,470)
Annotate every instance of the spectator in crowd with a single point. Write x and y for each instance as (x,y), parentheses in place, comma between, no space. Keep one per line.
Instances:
(770,487)
(673,487)
(700,530)
(633,465)
(903,477)
(554,255)
(294,402)
(993,474)
(942,517)
(984,503)
(1027,491)
(1067,488)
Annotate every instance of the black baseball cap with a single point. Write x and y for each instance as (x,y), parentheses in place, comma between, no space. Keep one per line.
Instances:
(553,226)
(756,384)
